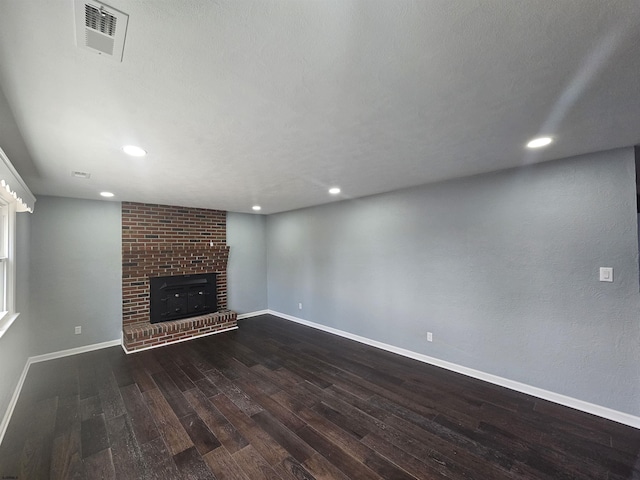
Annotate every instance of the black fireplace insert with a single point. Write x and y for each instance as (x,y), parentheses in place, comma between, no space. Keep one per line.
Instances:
(182,296)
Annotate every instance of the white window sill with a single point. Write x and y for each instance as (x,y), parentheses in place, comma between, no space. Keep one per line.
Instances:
(6,320)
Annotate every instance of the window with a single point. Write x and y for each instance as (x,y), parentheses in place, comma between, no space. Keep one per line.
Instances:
(8,312)
(14,197)
(4,254)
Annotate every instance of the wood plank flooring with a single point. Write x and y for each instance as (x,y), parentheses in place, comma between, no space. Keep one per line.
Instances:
(276,400)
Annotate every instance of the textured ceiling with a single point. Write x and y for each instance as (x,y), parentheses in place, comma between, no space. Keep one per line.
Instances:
(271,102)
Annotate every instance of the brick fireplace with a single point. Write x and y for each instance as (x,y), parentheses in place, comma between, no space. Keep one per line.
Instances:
(163,240)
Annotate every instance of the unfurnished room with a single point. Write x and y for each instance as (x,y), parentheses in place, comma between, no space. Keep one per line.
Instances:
(319,239)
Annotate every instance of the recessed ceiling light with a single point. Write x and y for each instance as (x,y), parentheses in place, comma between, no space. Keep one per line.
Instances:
(257,208)
(134,151)
(539,142)
(107,194)
(334,191)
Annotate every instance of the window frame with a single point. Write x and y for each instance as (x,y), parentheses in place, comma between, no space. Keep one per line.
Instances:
(8,313)
(15,197)
(4,258)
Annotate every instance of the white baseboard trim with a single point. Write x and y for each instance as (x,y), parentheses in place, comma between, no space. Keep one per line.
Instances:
(13,401)
(74,351)
(129,352)
(605,412)
(44,358)
(252,314)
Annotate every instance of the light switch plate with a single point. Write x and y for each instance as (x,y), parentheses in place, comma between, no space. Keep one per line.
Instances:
(606,274)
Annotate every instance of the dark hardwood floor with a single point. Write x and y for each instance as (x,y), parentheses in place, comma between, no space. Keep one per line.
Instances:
(278,400)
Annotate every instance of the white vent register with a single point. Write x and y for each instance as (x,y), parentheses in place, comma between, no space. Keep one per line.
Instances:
(100,28)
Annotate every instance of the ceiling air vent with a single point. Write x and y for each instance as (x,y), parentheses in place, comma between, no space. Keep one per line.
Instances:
(100,28)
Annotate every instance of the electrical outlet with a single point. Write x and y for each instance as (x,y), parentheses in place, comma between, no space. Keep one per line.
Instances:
(429,337)
(300,306)
(78,330)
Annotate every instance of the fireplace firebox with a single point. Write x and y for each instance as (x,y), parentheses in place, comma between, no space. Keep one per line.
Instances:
(182,296)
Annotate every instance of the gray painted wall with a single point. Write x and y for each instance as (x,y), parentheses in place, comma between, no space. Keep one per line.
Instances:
(502,268)
(76,273)
(247,268)
(15,346)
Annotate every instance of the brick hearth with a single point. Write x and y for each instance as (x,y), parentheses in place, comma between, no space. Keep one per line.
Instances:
(160,240)
(145,335)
